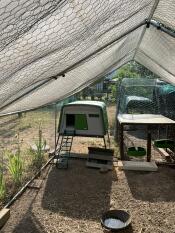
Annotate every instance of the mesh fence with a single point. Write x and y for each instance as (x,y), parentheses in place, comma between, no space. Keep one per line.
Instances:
(147,96)
(41,39)
(143,100)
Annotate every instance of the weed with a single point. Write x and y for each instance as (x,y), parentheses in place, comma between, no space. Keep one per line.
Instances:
(2,182)
(15,167)
(15,163)
(38,153)
(2,187)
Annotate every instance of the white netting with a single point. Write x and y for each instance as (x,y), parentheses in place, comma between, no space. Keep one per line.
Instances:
(65,36)
(40,39)
(112,57)
(165,13)
(157,52)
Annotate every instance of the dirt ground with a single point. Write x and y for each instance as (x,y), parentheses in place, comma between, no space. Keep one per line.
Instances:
(74,200)
(27,126)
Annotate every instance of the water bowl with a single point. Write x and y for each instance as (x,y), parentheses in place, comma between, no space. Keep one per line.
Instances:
(136,151)
(164,143)
(115,220)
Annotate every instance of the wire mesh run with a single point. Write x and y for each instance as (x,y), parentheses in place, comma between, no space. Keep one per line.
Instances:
(147,107)
(147,96)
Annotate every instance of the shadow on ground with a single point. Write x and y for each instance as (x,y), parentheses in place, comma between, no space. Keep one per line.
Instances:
(24,221)
(152,186)
(78,192)
(29,224)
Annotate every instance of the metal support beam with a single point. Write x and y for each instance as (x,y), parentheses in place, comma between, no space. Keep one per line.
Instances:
(55,126)
(161,27)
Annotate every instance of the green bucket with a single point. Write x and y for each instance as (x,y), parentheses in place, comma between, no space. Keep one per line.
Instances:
(136,151)
(164,143)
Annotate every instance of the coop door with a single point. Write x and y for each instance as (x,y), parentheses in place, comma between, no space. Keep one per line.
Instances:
(81,122)
(70,120)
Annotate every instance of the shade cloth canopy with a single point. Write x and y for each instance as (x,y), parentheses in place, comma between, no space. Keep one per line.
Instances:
(50,49)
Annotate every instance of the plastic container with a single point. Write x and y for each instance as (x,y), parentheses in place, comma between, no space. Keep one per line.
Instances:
(164,143)
(136,151)
(115,220)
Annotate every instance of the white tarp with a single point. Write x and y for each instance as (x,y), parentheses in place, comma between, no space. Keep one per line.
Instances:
(157,53)
(41,39)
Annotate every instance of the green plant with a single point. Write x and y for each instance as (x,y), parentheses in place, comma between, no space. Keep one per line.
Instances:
(2,187)
(15,163)
(38,153)
(15,166)
(2,183)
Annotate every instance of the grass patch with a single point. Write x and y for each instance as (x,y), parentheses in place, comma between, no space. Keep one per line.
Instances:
(2,184)
(39,152)
(15,167)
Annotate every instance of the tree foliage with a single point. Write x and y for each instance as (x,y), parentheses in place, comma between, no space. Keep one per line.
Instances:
(133,70)
(130,70)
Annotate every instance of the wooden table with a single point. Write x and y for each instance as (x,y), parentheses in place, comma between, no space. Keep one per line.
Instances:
(141,119)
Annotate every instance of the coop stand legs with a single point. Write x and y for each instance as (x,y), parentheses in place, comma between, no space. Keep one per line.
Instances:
(104,142)
(148,144)
(109,140)
(122,155)
(121,143)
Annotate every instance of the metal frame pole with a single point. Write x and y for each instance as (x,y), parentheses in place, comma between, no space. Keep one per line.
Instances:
(55,126)
(161,27)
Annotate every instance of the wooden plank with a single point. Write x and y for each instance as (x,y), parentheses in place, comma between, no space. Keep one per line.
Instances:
(137,166)
(144,119)
(163,153)
(36,184)
(78,156)
(98,165)
(100,157)
(4,216)
(98,150)
(171,153)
